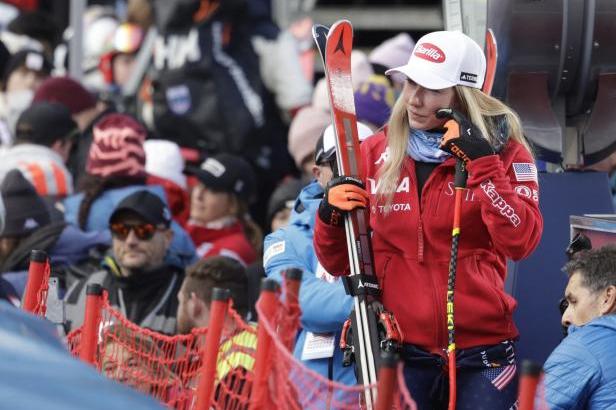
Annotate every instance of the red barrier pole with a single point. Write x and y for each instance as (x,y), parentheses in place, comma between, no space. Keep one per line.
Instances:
(218,310)
(36,273)
(91,322)
(528,385)
(387,381)
(267,305)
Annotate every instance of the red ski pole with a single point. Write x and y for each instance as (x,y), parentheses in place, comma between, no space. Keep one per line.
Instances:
(459,185)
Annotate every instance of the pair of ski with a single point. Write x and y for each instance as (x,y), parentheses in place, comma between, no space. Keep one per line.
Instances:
(372,329)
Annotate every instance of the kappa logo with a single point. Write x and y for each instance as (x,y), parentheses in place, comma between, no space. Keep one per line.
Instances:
(499,203)
(468,77)
(523,190)
(430,52)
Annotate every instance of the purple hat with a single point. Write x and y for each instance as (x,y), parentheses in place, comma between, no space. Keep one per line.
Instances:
(374,100)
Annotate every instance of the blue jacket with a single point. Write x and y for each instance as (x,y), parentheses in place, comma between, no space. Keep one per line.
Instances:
(581,372)
(325,305)
(70,247)
(182,250)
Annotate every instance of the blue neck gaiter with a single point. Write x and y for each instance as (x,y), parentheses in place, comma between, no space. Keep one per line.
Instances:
(424,146)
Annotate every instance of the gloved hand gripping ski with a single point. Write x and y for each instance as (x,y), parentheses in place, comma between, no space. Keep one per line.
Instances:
(342,194)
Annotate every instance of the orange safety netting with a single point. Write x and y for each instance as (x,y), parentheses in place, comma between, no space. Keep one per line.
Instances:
(169,367)
(290,384)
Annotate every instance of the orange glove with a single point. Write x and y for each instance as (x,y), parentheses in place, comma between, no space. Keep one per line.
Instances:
(342,194)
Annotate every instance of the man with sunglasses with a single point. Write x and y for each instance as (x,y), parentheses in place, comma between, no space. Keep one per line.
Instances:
(140,284)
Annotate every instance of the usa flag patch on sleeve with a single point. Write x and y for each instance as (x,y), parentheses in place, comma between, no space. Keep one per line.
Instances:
(525,171)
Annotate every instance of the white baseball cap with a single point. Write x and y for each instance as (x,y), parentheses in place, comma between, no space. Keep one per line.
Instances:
(326,147)
(443,59)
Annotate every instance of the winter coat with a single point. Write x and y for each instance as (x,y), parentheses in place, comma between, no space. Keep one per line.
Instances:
(182,251)
(323,301)
(42,166)
(500,219)
(73,254)
(228,240)
(148,299)
(581,372)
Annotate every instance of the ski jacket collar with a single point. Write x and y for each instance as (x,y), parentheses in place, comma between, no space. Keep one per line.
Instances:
(306,205)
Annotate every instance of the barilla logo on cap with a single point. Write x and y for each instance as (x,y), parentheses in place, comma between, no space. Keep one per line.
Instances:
(430,52)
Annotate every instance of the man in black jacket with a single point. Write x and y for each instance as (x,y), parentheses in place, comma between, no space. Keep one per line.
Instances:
(140,285)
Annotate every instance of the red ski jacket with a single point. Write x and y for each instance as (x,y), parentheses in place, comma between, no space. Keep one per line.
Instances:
(227,241)
(500,219)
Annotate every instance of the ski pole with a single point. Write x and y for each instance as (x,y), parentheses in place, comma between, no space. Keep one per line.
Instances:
(453,131)
(459,185)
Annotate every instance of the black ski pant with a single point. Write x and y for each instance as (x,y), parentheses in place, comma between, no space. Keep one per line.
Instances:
(487,377)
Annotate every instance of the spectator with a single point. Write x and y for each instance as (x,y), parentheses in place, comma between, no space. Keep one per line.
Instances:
(373,101)
(116,169)
(165,167)
(324,303)
(44,137)
(140,284)
(195,295)
(39,26)
(84,108)
(391,53)
(281,203)
(73,253)
(7,292)
(99,25)
(237,352)
(117,65)
(305,130)
(219,222)
(22,76)
(134,359)
(581,373)
(361,69)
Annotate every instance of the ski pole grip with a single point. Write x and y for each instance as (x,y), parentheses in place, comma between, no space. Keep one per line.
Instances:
(528,384)
(461,174)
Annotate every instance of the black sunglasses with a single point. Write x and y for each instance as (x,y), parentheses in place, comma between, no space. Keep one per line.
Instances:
(143,232)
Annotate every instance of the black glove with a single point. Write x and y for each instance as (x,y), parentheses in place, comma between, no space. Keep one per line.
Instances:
(462,138)
(342,194)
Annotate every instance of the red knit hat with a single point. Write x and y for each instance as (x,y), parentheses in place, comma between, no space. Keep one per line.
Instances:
(66,91)
(117,147)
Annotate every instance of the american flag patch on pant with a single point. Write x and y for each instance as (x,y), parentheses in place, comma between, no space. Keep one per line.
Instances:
(500,376)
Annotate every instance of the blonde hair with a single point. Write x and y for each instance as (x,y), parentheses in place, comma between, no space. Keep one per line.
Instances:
(480,108)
